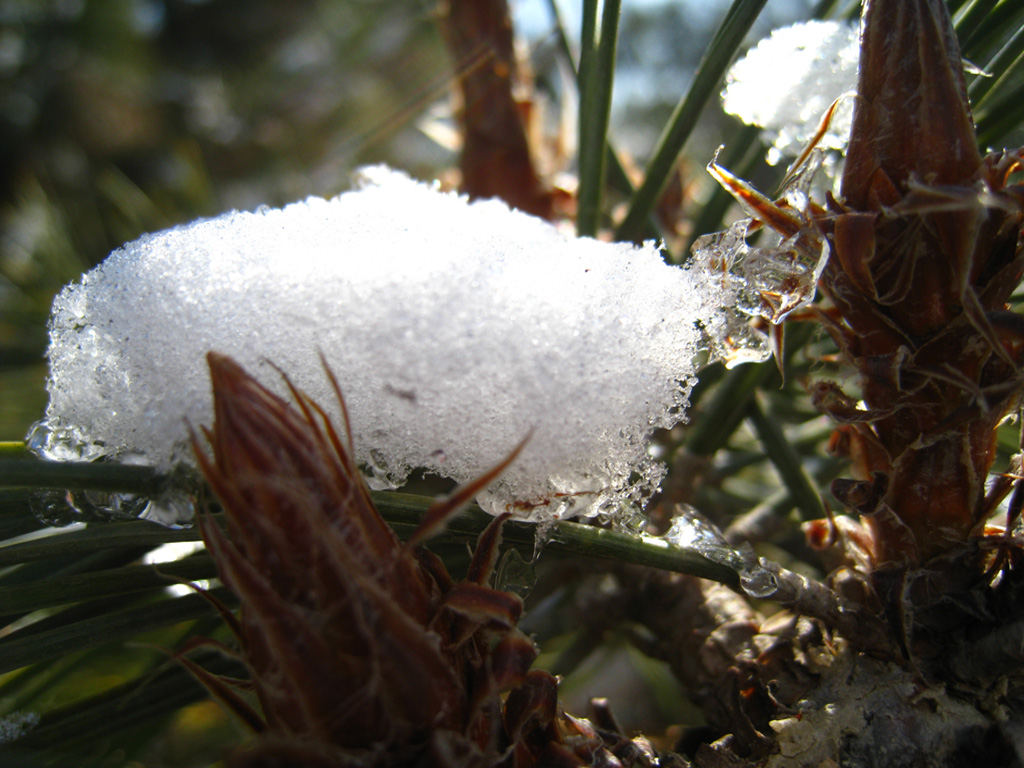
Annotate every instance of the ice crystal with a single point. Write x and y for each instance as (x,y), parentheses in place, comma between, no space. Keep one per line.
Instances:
(769,280)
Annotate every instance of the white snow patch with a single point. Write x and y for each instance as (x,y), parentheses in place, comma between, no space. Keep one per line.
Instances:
(790,79)
(455,329)
(16,725)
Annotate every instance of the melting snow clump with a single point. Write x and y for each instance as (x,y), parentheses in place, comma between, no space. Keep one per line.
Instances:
(789,80)
(455,329)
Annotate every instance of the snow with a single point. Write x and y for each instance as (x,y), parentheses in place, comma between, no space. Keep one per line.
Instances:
(16,725)
(788,81)
(456,330)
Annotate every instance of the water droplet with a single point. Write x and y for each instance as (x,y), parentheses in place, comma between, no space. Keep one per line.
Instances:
(56,508)
(111,505)
(61,444)
(515,574)
(691,530)
(174,508)
(758,582)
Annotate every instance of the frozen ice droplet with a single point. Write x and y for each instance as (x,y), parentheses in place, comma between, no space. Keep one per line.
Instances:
(758,582)
(36,438)
(632,521)
(515,574)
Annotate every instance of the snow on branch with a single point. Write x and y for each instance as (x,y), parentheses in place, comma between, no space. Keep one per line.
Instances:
(455,328)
